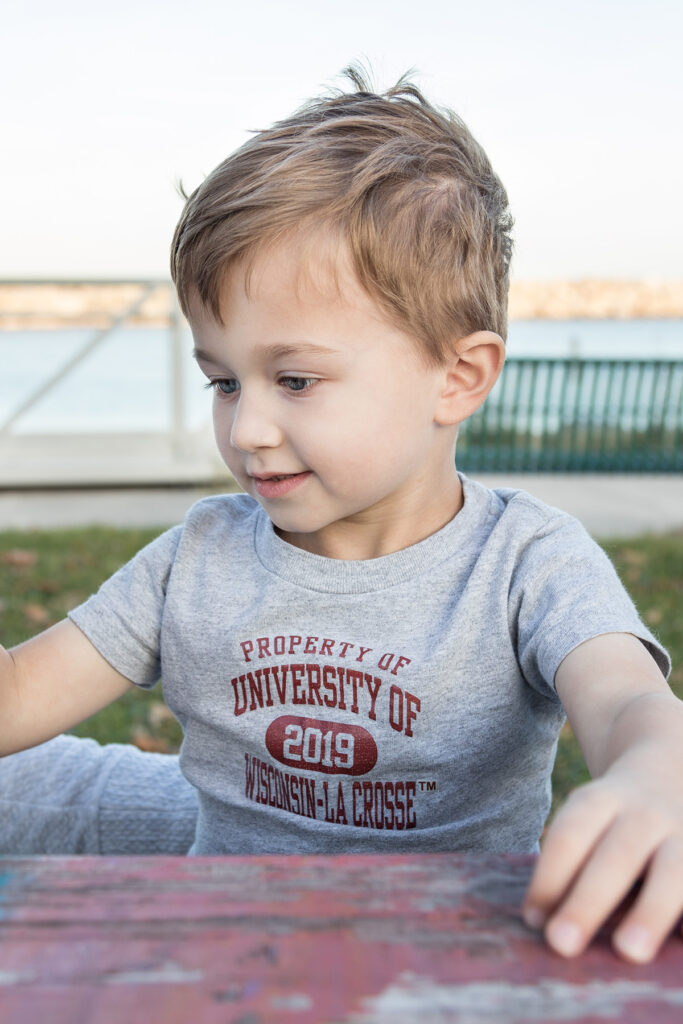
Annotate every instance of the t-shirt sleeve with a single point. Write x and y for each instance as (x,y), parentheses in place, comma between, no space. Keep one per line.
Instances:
(123,619)
(565,590)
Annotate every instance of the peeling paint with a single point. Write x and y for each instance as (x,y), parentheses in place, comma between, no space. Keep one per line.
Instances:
(169,973)
(504,1002)
(295,1002)
(17,977)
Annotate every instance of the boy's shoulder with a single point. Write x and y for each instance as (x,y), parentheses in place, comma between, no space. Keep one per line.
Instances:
(515,509)
(515,535)
(215,519)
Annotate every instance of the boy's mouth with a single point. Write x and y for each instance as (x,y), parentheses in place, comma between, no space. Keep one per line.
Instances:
(271,476)
(279,484)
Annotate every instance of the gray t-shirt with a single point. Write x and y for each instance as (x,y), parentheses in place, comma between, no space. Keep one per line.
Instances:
(403,703)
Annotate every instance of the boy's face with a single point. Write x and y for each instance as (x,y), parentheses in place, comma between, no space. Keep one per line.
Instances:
(324,412)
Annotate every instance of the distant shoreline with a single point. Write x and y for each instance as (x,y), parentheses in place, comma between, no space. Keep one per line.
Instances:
(53,304)
(595,299)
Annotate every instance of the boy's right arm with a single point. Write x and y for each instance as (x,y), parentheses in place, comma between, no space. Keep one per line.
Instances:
(51,683)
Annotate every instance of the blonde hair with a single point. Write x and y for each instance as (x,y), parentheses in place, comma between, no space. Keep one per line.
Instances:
(403,183)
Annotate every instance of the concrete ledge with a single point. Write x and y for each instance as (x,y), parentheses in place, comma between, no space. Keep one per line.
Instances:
(112,459)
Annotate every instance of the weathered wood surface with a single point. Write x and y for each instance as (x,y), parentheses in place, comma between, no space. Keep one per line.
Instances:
(401,939)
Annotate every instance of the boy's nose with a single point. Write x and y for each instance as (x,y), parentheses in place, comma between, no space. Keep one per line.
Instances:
(252,427)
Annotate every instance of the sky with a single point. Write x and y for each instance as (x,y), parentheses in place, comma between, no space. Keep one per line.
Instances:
(107,107)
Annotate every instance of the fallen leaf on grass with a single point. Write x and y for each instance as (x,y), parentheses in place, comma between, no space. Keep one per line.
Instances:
(144,740)
(19,558)
(633,557)
(36,614)
(48,586)
(159,714)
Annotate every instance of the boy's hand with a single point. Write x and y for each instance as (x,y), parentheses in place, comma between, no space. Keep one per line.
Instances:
(609,834)
(627,824)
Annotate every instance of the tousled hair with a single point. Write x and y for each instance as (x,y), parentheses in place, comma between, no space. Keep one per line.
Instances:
(403,183)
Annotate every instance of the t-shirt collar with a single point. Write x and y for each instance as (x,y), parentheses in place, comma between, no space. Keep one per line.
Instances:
(333,575)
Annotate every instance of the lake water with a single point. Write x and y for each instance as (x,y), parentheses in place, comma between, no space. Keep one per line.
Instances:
(124,385)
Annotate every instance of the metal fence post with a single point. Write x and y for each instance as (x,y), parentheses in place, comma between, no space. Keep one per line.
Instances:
(176,338)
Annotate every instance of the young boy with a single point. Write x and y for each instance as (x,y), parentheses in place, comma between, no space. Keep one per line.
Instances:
(368,651)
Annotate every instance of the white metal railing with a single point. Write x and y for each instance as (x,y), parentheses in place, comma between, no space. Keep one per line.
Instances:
(173,453)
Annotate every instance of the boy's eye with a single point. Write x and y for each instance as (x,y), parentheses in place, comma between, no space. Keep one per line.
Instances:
(230,386)
(226,385)
(298,383)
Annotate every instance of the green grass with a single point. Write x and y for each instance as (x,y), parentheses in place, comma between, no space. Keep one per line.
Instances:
(45,573)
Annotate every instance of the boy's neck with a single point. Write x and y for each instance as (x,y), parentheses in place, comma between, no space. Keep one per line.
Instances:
(369,535)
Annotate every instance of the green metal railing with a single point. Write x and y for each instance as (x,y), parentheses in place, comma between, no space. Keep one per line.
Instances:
(578,415)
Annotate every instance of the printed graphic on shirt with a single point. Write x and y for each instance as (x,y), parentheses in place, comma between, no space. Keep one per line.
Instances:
(312,680)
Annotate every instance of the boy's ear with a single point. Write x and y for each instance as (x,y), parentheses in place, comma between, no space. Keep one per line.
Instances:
(469,374)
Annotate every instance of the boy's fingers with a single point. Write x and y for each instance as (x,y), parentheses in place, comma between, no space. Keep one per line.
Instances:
(617,861)
(605,880)
(570,839)
(583,876)
(658,907)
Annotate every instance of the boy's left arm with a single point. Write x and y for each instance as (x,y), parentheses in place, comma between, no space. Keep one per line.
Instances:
(627,823)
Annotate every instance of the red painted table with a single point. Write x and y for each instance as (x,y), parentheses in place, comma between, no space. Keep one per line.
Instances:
(87,940)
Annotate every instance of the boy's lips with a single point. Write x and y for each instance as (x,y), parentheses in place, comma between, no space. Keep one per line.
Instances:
(275,485)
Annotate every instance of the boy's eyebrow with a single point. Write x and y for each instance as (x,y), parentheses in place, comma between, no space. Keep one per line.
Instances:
(201,355)
(305,348)
(277,351)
